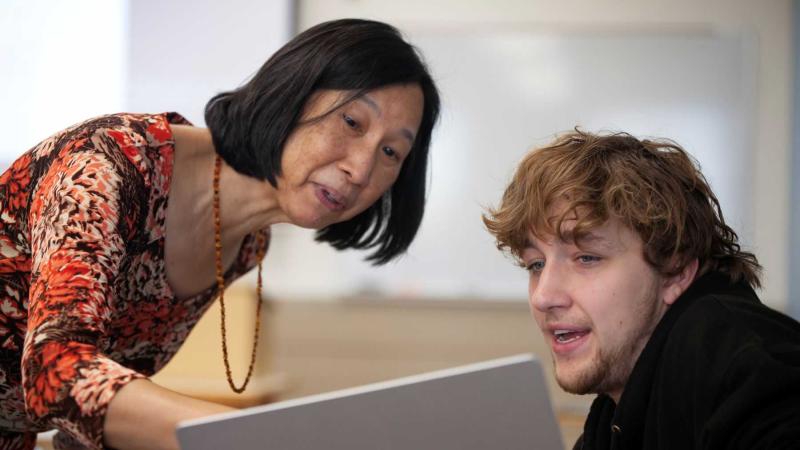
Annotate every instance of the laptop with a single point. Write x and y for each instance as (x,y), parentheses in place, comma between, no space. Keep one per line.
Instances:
(498,404)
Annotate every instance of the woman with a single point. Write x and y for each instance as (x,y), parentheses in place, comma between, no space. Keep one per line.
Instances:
(115,233)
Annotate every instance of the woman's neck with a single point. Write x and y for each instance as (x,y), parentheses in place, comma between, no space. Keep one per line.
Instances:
(246,203)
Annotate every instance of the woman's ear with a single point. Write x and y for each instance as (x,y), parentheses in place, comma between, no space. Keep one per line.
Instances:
(672,287)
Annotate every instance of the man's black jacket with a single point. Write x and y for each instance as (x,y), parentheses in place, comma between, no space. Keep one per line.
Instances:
(721,371)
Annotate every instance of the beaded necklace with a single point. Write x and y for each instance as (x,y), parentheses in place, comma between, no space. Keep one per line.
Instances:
(260,240)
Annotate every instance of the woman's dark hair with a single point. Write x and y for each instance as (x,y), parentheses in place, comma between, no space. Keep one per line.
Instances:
(250,125)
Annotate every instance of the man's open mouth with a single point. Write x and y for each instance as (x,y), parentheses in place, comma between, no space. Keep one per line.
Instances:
(567,336)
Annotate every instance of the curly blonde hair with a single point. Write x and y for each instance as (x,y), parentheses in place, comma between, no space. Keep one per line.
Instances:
(653,187)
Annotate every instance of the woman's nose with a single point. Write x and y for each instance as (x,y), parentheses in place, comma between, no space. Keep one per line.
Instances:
(358,164)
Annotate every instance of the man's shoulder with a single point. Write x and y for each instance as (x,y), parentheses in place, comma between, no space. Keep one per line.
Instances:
(729,357)
(720,325)
(735,311)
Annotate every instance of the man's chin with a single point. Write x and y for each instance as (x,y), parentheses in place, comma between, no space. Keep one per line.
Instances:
(577,388)
(579,381)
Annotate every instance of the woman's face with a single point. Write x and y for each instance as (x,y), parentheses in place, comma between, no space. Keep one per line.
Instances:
(336,167)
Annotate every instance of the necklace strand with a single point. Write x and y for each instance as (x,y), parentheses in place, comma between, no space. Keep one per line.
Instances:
(260,241)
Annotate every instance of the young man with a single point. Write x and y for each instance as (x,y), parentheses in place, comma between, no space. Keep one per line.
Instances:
(645,298)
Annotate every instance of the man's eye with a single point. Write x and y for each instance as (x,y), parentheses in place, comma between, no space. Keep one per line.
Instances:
(535,266)
(588,259)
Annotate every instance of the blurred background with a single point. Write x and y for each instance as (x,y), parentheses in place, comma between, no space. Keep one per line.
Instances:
(718,76)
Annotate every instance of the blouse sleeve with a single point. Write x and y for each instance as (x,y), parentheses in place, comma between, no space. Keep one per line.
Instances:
(77,249)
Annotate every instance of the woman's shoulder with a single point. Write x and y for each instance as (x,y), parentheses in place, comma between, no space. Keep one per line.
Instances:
(143,141)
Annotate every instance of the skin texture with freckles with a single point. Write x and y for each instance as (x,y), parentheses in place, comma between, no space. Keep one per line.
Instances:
(333,168)
(606,295)
(336,167)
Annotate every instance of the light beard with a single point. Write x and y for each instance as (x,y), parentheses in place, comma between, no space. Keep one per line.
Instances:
(609,370)
(595,378)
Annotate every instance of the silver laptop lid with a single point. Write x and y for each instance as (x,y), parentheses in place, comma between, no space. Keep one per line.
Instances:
(498,404)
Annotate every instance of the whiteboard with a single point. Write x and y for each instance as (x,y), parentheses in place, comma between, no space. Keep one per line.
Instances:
(505,92)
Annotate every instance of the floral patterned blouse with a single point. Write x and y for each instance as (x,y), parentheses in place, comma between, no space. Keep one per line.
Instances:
(84,302)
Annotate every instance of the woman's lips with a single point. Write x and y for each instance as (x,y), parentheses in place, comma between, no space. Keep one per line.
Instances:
(329,198)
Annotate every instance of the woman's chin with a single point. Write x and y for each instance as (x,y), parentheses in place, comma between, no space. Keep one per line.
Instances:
(312,222)
(315,219)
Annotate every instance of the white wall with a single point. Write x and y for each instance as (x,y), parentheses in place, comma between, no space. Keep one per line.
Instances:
(65,61)
(759,203)
(183,52)
(794,230)
(61,62)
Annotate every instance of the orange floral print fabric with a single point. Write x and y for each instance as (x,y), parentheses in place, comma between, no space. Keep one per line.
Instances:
(85,307)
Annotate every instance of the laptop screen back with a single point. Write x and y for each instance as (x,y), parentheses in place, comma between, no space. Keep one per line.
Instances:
(499,404)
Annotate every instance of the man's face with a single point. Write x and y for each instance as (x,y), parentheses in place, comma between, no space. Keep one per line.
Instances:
(596,301)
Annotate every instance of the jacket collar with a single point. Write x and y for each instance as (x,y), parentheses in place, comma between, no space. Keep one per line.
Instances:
(625,422)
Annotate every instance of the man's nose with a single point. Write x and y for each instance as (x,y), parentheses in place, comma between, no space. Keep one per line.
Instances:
(550,289)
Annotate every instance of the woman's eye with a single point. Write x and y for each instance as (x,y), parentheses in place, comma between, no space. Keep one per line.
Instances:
(350,121)
(390,152)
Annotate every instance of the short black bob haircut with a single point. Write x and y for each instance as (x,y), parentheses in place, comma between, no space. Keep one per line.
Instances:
(250,125)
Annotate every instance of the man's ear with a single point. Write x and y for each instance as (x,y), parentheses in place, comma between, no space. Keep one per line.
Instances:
(672,287)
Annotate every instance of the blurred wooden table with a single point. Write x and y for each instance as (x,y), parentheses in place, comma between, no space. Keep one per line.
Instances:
(309,347)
